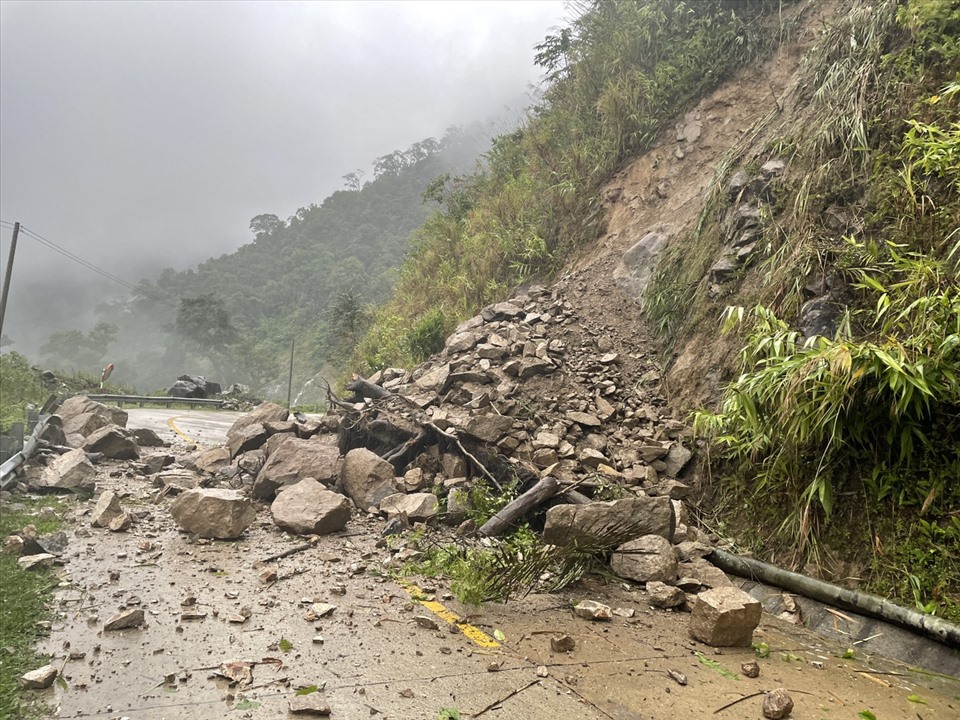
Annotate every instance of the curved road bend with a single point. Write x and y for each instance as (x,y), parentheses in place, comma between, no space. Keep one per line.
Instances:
(201,427)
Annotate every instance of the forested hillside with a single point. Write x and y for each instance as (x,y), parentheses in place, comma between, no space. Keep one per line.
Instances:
(309,279)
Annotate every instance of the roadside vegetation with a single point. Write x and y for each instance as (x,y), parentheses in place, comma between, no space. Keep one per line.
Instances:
(23,606)
(845,448)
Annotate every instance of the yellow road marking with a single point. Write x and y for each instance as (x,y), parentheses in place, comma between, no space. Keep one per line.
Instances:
(180,432)
(478,636)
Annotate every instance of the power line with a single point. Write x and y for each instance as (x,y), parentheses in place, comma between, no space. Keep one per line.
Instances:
(87,264)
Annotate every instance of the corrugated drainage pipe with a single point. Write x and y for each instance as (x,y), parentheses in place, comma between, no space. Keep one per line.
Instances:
(863,603)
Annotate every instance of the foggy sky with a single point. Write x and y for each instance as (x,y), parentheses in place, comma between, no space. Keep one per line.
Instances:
(144,135)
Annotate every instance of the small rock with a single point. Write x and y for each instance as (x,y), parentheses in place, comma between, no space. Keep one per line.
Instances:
(493,666)
(124,620)
(106,509)
(121,523)
(592,610)
(39,679)
(309,704)
(725,616)
(29,562)
(426,622)
(677,677)
(777,704)
(542,671)
(750,669)
(267,576)
(562,643)
(663,595)
(323,609)
(13,545)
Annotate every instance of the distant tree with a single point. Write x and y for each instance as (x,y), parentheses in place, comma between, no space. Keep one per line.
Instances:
(353,180)
(265,224)
(205,324)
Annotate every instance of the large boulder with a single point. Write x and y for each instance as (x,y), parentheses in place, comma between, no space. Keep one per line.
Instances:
(263,413)
(292,461)
(146,437)
(213,513)
(112,442)
(367,478)
(247,438)
(650,557)
(211,459)
(185,389)
(206,387)
(71,471)
(587,523)
(725,616)
(82,416)
(309,508)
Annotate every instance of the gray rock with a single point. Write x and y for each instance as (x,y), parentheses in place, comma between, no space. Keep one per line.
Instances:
(415,506)
(264,413)
(500,311)
(488,428)
(647,558)
(70,471)
(311,704)
(177,480)
(777,704)
(29,562)
(724,267)
(461,342)
(633,273)
(676,460)
(585,419)
(213,513)
(106,510)
(124,620)
(76,414)
(592,610)
(708,574)
(212,460)
(145,437)
(294,460)
(39,679)
(367,478)
(665,596)
(690,550)
(121,522)
(725,616)
(113,443)
(435,379)
(249,437)
(275,441)
(155,462)
(636,516)
(309,508)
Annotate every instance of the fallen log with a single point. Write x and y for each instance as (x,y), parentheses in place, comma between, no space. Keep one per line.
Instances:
(532,498)
(861,602)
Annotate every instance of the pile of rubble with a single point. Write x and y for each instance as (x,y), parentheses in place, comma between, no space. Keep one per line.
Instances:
(523,395)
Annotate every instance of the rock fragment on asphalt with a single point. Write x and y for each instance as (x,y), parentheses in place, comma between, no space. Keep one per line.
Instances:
(39,679)
(725,616)
(125,620)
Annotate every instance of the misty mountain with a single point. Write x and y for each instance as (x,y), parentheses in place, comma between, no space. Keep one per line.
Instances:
(309,279)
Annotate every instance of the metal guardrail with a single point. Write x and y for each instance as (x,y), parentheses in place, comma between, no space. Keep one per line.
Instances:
(142,400)
(6,469)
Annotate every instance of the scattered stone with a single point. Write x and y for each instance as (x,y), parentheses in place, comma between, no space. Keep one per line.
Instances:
(750,669)
(665,596)
(562,643)
(676,460)
(121,523)
(310,704)
(647,558)
(777,704)
(415,506)
(725,616)
(213,513)
(426,622)
(592,610)
(29,562)
(323,609)
(212,460)
(13,545)
(542,671)
(71,471)
(488,428)
(112,442)
(124,620)
(264,413)
(309,508)
(624,612)
(39,679)
(267,576)
(145,437)
(677,677)
(106,510)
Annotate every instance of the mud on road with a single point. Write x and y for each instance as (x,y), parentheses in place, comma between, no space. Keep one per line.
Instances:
(335,619)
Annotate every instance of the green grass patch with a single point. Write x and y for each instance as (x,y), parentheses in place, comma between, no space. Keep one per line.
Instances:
(24,598)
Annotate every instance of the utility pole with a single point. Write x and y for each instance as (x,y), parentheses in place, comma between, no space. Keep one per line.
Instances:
(290,376)
(6,275)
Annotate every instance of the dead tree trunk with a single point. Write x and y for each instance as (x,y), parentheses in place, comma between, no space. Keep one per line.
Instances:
(531,499)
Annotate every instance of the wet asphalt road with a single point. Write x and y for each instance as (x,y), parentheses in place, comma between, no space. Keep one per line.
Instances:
(201,427)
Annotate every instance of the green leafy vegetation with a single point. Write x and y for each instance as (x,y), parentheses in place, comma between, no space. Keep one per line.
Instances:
(20,386)
(23,604)
(619,74)
(851,440)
